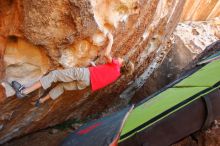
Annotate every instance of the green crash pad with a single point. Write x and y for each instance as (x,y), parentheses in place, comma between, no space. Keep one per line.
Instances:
(200,81)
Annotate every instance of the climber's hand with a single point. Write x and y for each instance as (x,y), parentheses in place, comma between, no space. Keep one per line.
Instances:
(92,63)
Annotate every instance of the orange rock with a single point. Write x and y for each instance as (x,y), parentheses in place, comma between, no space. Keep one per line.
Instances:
(11,18)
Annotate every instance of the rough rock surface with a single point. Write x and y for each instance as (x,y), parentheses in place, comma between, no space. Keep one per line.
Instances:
(188,40)
(11,18)
(44,35)
(24,62)
(198,10)
(199,34)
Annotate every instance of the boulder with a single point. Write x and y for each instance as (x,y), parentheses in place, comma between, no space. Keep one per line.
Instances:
(45,35)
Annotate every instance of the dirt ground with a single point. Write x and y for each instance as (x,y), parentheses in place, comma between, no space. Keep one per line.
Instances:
(54,137)
(49,137)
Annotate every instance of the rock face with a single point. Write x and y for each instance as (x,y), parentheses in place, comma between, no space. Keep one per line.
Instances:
(24,62)
(44,35)
(197,35)
(188,40)
(198,10)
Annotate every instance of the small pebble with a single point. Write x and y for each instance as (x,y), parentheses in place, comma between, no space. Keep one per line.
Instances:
(76,126)
(53,131)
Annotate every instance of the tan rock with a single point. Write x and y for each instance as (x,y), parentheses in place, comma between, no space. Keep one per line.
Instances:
(24,62)
(197,35)
(197,10)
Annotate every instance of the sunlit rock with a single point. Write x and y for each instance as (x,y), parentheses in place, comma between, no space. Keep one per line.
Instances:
(23,62)
(98,39)
(197,10)
(196,36)
(79,54)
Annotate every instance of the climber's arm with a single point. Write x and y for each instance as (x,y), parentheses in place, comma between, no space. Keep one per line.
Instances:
(44,99)
(92,63)
(107,53)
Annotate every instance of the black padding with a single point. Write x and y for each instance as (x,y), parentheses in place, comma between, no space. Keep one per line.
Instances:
(209,111)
